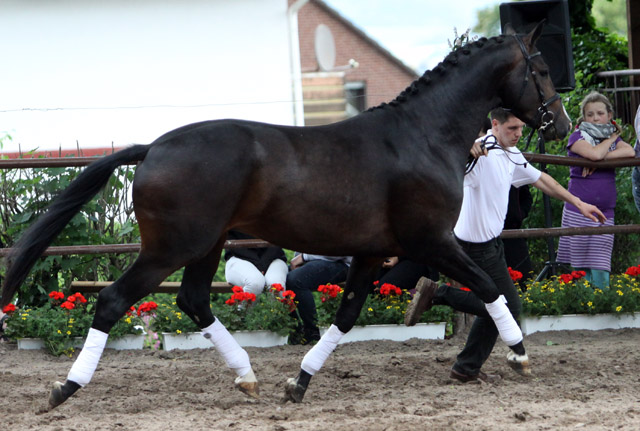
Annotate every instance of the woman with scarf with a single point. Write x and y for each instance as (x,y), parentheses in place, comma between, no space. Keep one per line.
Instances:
(596,138)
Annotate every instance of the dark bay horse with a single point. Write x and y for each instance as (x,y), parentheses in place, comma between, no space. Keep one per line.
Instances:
(386,182)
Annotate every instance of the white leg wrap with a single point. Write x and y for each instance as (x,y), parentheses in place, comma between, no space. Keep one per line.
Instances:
(84,367)
(314,359)
(507,327)
(235,356)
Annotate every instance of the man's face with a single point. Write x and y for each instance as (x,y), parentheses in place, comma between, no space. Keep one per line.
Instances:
(508,133)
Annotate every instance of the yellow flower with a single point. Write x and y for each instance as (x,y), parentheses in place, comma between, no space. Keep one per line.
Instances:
(590,304)
(68,332)
(369,309)
(178,331)
(552,290)
(128,320)
(620,292)
(59,332)
(619,308)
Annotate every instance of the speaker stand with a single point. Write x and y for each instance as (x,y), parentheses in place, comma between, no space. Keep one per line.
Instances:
(551,265)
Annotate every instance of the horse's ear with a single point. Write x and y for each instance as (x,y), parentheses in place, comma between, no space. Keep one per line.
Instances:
(536,32)
(508,29)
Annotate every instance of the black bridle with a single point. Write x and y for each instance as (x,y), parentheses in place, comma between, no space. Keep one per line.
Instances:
(546,118)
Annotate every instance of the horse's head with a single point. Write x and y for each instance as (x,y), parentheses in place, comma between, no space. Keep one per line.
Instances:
(528,90)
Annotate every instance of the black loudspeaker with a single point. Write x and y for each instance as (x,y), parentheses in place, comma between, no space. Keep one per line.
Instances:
(555,41)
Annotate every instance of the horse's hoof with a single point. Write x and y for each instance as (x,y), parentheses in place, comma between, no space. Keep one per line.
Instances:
(519,363)
(293,391)
(421,302)
(248,384)
(56,397)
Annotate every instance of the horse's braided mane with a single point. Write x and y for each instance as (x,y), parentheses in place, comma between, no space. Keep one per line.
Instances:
(452,59)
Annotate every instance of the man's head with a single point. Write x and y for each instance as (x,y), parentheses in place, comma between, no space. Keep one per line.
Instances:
(506,127)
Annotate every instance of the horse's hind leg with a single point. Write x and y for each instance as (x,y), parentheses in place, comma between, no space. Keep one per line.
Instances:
(361,275)
(193,299)
(113,301)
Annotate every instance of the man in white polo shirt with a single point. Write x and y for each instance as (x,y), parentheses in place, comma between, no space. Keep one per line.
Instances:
(481,220)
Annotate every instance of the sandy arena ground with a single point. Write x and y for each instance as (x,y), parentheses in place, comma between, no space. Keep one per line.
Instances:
(583,380)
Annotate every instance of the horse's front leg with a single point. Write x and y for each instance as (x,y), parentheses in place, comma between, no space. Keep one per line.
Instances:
(361,275)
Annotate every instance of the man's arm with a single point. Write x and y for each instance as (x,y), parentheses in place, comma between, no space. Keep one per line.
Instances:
(549,186)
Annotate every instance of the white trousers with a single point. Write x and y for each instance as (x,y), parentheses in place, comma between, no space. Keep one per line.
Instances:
(240,272)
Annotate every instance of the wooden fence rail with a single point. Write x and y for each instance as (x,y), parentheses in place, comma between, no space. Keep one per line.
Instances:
(511,233)
(549,159)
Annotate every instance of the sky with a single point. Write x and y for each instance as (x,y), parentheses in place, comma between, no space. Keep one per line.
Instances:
(415,31)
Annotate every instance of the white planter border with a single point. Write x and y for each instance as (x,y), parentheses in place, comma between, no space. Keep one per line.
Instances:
(128,342)
(195,340)
(569,322)
(425,331)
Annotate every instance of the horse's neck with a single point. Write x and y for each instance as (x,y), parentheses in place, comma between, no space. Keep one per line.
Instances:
(455,101)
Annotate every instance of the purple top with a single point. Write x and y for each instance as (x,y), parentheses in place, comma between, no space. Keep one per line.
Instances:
(599,188)
(636,125)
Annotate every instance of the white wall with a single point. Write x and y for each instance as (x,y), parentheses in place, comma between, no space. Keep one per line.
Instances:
(127,71)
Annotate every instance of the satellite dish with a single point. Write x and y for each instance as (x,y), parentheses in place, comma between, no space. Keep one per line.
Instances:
(325,48)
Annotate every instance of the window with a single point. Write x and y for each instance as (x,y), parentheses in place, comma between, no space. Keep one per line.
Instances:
(356,97)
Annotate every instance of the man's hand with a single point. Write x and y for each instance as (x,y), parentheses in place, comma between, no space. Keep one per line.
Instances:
(478,150)
(297,262)
(390,262)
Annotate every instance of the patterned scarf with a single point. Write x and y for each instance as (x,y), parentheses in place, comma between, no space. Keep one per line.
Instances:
(596,133)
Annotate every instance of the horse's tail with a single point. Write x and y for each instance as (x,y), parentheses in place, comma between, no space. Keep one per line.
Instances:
(39,236)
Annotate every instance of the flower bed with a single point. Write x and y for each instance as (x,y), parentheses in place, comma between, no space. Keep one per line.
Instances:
(239,311)
(387,304)
(61,321)
(65,318)
(572,294)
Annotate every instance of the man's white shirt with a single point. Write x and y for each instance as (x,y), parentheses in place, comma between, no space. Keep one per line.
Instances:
(486,193)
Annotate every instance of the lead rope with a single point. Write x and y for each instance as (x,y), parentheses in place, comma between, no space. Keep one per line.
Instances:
(485,144)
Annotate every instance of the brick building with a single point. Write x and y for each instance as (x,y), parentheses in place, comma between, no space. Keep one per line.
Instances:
(334,95)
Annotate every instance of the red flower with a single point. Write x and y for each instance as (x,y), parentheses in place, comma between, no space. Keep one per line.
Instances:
(390,289)
(131,311)
(288,298)
(56,296)
(240,295)
(633,271)
(515,275)
(375,283)
(9,308)
(277,287)
(78,297)
(146,307)
(466,289)
(288,294)
(566,278)
(68,305)
(577,275)
(328,291)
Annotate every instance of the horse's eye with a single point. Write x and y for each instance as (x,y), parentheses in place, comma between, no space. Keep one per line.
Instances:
(544,73)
